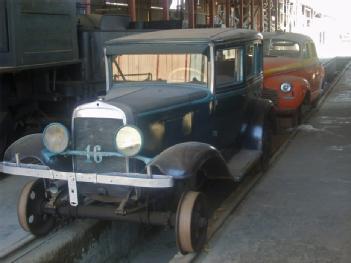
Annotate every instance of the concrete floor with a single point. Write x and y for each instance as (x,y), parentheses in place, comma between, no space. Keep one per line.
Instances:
(301,210)
(11,234)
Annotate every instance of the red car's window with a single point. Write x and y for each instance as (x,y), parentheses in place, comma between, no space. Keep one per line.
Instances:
(284,48)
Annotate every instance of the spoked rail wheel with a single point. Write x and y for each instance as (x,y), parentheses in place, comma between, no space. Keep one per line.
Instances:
(191,222)
(29,209)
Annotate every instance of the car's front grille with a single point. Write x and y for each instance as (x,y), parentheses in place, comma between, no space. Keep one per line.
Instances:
(271,95)
(96,135)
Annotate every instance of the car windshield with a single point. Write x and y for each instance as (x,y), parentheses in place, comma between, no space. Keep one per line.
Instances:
(167,68)
(284,48)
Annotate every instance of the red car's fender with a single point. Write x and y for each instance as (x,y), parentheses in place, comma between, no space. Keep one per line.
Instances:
(290,101)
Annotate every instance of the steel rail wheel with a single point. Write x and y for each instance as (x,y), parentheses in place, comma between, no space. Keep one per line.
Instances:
(191,222)
(29,209)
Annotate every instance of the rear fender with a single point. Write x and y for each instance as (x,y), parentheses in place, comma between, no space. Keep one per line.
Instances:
(259,112)
(186,159)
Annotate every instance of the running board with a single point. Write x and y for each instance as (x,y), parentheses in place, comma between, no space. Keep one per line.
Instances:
(242,162)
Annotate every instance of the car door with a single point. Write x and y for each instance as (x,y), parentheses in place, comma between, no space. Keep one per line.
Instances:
(307,67)
(229,94)
(253,69)
(318,70)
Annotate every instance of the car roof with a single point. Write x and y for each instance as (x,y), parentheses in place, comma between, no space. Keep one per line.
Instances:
(300,38)
(189,35)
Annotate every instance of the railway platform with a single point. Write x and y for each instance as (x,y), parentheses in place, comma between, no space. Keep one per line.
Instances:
(300,211)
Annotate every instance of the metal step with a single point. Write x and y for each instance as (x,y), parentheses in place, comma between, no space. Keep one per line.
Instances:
(242,162)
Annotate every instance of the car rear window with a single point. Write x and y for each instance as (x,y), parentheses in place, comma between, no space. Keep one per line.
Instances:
(284,48)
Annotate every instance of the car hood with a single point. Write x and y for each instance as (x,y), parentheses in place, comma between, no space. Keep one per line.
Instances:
(143,98)
(278,65)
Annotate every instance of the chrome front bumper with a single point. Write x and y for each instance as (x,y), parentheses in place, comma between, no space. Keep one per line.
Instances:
(115,178)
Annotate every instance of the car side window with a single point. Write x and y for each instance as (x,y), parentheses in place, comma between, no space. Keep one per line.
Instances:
(229,67)
(306,51)
(313,50)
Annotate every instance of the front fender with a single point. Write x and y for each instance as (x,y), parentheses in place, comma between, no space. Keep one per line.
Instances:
(291,100)
(259,112)
(30,149)
(185,159)
(276,81)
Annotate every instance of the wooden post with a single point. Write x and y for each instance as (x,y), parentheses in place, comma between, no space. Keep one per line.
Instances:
(269,13)
(132,10)
(252,17)
(211,9)
(241,20)
(227,12)
(261,16)
(191,13)
(165,5)
(277,15)
(285,14)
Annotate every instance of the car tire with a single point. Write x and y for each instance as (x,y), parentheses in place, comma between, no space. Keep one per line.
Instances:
(29,209)
(191,222)
(297,116)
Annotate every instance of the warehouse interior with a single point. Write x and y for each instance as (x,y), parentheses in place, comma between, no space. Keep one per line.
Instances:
(175,131)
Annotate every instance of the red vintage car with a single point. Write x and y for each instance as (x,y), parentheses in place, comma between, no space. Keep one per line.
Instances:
(293,74)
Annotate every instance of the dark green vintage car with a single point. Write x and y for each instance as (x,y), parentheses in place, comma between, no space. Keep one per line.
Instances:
(181,106)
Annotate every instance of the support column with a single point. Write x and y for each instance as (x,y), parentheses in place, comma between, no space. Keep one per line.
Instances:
(261,16)
(191,13)
(252,15)
(241,20)
(269,13)
(132,10)
(165,5)
(211,8)
(277,15)
(285,14)
(227,12)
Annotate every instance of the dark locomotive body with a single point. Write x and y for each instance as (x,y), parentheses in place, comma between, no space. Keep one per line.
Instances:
(50,61)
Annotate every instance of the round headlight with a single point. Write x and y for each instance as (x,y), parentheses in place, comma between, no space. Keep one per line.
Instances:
(129,141)
(56,138)
(285,87)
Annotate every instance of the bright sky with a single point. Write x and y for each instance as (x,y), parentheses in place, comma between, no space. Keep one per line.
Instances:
(340,11)
(335,8)
(174,4)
